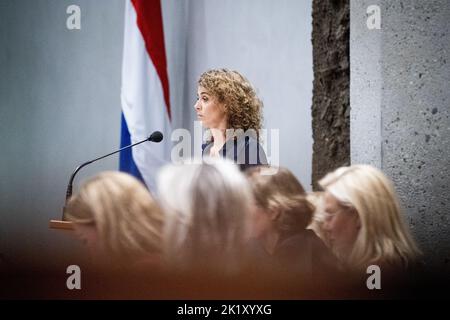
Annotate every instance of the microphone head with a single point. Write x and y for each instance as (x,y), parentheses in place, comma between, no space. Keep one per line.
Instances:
(156,136)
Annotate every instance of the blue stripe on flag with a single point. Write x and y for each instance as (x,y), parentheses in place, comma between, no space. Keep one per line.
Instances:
(126,162)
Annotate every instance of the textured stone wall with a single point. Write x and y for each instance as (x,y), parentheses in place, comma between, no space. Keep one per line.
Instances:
(400,100)
(330,110)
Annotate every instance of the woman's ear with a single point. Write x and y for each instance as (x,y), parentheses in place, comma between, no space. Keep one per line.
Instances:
(357,218)
(87,234)
(274,214)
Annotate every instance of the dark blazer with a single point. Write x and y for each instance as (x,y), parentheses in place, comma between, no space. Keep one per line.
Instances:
(302,254)
(244,150)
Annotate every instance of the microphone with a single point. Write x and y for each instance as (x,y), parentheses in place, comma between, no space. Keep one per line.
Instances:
(156,137)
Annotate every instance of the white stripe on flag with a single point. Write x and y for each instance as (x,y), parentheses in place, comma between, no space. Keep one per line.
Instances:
(143,102)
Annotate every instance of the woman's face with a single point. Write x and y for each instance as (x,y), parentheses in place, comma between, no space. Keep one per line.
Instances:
(209,110)
(88,236)
(261,222)
(341,225)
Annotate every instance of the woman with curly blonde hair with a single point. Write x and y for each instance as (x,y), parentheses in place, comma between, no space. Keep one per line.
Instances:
(227,105)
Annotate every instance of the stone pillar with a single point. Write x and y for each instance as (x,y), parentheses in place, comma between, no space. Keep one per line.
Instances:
(400,107)
(330,110)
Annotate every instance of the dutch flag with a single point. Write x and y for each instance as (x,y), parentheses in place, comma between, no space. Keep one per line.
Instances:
(145,91)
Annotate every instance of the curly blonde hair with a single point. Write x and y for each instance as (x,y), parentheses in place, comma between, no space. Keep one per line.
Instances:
(242,106)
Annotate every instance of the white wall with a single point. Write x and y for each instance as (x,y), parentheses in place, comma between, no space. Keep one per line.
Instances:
(59,106)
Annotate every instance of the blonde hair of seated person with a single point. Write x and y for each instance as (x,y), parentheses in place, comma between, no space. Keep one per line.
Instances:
(383,237)
(206,207)
(281,198)
(318,218)
(117,217)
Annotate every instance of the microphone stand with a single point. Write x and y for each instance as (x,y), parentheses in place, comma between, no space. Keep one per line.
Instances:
(69,187)
(155,137)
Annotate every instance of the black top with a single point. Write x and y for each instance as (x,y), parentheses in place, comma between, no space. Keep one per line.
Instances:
(244,150)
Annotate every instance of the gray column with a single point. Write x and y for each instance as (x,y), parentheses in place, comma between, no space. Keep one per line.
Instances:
(399,99)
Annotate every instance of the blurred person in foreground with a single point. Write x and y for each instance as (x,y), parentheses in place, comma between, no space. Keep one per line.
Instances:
(206,207)
(281,215)
(364,223)
(118,220)
(317,200)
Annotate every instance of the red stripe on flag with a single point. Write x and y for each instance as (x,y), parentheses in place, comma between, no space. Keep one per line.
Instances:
(149,21)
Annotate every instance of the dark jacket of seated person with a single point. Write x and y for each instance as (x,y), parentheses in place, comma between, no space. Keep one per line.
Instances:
(302,255)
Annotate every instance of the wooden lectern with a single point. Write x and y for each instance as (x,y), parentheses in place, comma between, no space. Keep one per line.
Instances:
(61,224)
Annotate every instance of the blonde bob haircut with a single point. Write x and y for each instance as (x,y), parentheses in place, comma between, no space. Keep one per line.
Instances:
(127,219)
(277,189)
(206,207)
(383,237)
